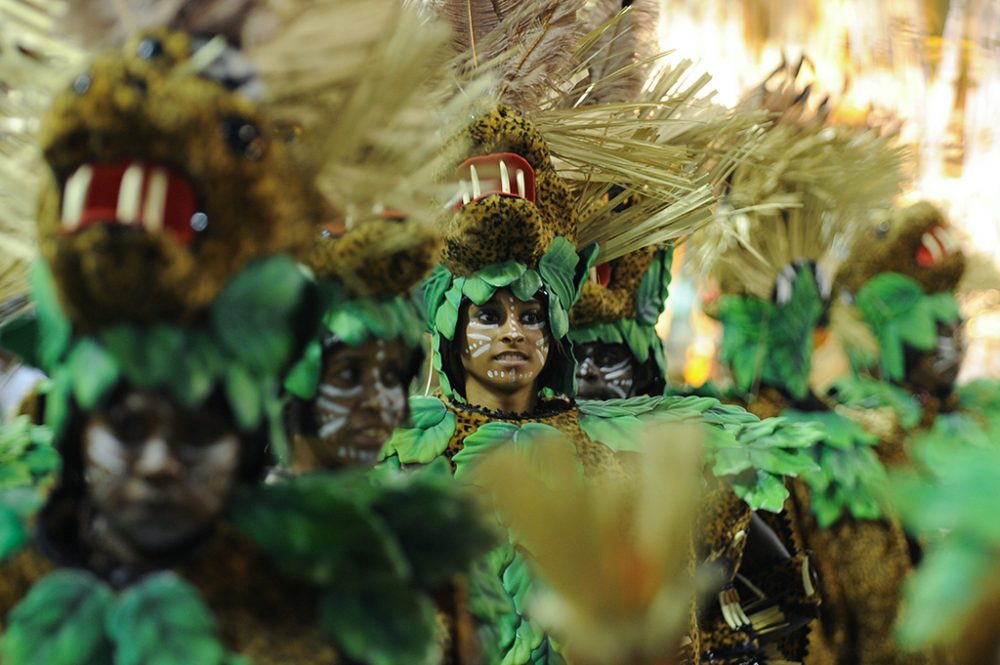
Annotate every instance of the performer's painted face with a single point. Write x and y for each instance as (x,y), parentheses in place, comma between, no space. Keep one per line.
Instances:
(506,342)
(605,371)
(158,471)
(361,400)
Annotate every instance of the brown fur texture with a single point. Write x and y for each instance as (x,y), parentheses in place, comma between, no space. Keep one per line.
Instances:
(153,110)
(604,304)
(498,228)
(892,247)
(377,258)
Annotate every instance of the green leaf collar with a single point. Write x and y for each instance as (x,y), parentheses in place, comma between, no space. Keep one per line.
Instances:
(245,344)
(769,344)
(901,314)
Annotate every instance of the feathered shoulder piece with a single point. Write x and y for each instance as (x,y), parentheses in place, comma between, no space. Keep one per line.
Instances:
(802,197)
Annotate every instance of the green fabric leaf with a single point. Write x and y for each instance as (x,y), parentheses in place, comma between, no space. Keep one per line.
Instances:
(54,327)
(446,318)
(195,373)
(245,398)
(57,391)
(939,599)
(433,427)
(485,438)
(849,476)
(557,268)
(303,379)
(478,290)
(381,624)
(145,355)
(867,393)
(761,491)
(653,290)
(502,274)
(251,317)
(60,622)
(439,532)
(558,317)
(431,291)
(768,344)
(12,532)
(899,313)
(20,336)
(348,323)
(94,372)
(162,620)
(320,528)
(527,285)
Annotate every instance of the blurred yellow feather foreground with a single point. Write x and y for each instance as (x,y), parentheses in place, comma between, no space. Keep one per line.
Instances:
(613,553)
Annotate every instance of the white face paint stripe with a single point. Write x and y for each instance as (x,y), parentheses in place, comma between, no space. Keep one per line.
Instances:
(332,427)
(478,336)
(324,403)
(337,393)
(541,356)
(481,350)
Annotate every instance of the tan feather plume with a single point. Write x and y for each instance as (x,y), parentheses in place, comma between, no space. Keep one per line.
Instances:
(34,64)
(527,44)
(805,193)
(624,40)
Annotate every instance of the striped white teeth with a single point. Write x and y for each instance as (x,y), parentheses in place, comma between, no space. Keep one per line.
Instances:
(75,196)
(949,239)
(593,273)
(932,245)
(521,187)
(504,177)
(156,200)
(130,195)
(476,191)
(465,194)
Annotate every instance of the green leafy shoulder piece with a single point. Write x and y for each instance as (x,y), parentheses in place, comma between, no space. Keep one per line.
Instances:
(769,344)
(862,392)
(432,426)
(29,467)
(847,477)
(956,519)
(753,455)
(901,314)
(70,617)
(975,424)
(375,544)
(247,341)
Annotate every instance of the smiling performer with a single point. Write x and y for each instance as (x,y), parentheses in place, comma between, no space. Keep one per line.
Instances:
(168,308)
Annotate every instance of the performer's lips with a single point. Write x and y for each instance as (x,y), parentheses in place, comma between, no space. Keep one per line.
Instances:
(511,358)
(131,193)
(503,173)
(937,244)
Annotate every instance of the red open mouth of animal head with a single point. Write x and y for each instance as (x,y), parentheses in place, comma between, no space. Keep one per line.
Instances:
(601,274)
(937,244)
(504,173)
(131,192)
